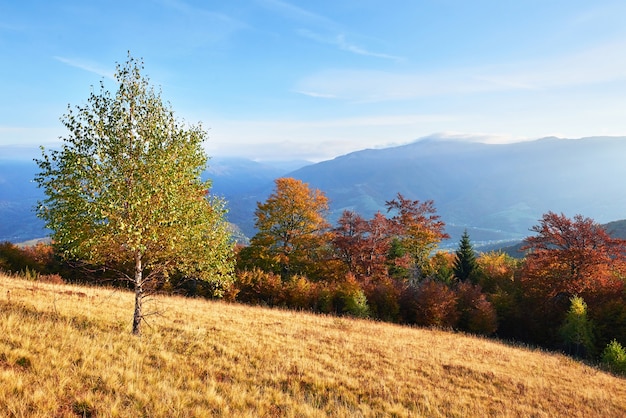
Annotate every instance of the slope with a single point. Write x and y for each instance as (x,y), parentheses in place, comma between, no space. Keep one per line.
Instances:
(67,351)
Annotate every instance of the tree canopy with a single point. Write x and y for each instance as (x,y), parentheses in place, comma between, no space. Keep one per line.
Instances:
(573,256)
(290,226)
(419,230)
(124,190)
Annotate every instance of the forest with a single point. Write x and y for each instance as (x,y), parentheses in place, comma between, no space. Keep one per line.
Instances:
(566,294)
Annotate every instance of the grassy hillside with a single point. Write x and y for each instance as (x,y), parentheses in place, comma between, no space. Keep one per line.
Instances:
(67,351)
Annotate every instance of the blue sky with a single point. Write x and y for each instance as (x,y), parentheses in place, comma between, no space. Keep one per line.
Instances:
(274,79)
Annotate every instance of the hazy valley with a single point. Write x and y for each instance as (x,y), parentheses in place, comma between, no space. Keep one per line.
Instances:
(496,192)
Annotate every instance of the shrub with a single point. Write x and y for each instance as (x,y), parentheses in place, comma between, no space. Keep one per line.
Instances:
(476,314)
(609,321)
(301,293)
(344,298)
(614,357)
(257,287)
(576,330)
(383,297)
(436,305)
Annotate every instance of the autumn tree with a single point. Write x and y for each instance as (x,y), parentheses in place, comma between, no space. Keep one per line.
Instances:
(291,228)
(573,256)
(124,190)
(363,245)
(419,230)
(568,257)
(576,331)
(465,264)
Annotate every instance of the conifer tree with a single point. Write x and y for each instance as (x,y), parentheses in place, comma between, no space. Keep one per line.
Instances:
(465,264)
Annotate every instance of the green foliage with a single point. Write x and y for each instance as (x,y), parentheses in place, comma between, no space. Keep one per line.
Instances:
(465,264)
(344,298)
(614,357)
(441,268)
(125,189)
(576,331)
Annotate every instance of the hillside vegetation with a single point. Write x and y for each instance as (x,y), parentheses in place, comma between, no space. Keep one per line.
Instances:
(67,351)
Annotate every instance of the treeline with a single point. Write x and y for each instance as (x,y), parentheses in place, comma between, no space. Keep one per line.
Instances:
(568,293)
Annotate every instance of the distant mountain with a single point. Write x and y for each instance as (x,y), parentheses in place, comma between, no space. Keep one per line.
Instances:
(616,229)
(497,192)
(243,183)
(18,197)
(235,179)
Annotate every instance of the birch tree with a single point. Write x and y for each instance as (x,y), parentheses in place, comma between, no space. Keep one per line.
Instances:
(125,189)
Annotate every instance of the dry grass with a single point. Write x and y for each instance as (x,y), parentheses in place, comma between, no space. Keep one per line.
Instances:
(67,351)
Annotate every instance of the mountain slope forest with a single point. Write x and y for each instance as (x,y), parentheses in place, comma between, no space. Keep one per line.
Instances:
(67,350)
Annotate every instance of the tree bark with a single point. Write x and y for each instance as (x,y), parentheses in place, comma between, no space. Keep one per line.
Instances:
(138,315)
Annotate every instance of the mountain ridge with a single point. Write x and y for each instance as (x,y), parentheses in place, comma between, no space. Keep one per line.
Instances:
(495,191)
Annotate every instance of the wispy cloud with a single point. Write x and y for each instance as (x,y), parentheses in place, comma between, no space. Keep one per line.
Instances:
(343,44)
(604,63)
(86,66)
(293,12)
(325,24)
(226,22)
(316,95)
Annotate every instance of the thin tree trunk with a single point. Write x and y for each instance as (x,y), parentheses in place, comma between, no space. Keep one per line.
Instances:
(138,315)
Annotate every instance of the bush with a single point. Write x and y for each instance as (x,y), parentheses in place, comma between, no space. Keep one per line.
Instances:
(300,293)
(257,287)
(477,315)
(344,298)
(436,305)
(614,357)
(383,297)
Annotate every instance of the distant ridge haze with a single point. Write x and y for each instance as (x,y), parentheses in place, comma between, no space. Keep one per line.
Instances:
(495,191)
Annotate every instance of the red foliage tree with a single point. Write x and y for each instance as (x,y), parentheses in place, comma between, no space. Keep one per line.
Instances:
(362,244)
(568,257)
(573,256)
(419,229)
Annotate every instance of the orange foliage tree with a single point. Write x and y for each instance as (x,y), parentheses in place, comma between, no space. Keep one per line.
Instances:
(291,228)
(573,256)
(419,230)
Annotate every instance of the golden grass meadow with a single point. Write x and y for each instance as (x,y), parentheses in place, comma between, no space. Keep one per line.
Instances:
(67,351)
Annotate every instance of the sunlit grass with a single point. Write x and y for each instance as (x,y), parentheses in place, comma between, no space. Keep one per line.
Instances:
(68,351)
